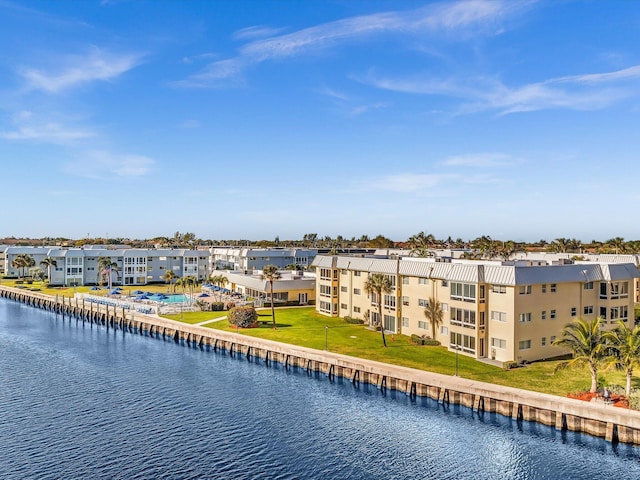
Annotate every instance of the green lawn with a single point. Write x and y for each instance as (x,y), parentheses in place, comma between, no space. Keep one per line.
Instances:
(305,327)
(196,317)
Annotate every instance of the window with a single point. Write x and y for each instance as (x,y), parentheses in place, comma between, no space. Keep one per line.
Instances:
(543,342)
(444,330)
(624,312)
(552,339)
(498,316)
(325,274)
(344,272)
(405,280)
(463,318)
(525,290)
(466,343)
(588,310)
(356,291)
(343,306)
(390,302)
(614,313)
(603,312)
(325,290)
(445,307)
(574,311)
(356,273)
(552,314)
(543,315)
(422,324)
(405,301)
(423,281)
(405,322)
(603,290)
(544,288)
(445,283)
(554,287)
(524,344)
(423,303)
(344,289)
(356,309)
(525,317)
(325,307)
(498,342)
(498,289)
(463,291)
(390,323)
(588,286)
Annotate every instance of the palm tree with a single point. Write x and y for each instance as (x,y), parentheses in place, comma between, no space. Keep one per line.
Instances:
(433,312)
(376,285)
(105,268)
(270,272)
(169,276)
(420,245)
(220,281)
(625,348)
(49,262)
(616,244)
(585,340)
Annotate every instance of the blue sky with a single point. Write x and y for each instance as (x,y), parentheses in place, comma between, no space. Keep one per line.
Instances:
(251,119)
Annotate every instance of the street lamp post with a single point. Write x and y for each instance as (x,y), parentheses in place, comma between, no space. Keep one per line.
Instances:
(326,338)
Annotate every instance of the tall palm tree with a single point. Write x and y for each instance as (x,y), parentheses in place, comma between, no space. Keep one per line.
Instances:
(433,312)
(625,348)
(105,268)
(270,272)
(420,245)
(585,340)
(49,262)
(220,281)
(169,276)
(376,285)
(617,245)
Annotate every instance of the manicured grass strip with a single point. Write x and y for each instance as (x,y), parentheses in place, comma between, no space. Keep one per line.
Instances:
(195,317)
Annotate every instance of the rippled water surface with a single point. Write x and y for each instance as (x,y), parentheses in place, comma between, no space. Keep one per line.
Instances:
(78,401)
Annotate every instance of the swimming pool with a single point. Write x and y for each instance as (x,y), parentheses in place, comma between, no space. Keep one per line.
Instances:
(173,298)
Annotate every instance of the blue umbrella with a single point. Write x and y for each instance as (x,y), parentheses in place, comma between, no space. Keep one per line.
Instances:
(95,288)
(142,297)
(137,292)
(115,292)
(203,295)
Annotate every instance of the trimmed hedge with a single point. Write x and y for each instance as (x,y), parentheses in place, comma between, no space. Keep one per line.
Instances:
(354,321)
(244,317)
(418,340)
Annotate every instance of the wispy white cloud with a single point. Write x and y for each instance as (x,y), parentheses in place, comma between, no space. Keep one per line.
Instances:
(190,124)
(199,57)
(76,70)
(407,182)
(578,92)
(361,109)
(100,164)
(456,18)
(29,127)
(482,160)
(257,31)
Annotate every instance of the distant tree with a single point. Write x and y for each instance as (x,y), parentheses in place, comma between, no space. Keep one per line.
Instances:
(585,340)
(381,241)
(376,285)
(270,272)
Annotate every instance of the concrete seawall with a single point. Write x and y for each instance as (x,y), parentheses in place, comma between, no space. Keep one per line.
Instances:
(614,424)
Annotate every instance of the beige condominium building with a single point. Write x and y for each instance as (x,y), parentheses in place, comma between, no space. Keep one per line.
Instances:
(505,312)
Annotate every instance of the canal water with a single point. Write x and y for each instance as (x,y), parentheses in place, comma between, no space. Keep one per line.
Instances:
(78,401)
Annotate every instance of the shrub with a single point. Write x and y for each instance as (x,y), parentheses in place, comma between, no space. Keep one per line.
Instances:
(634,400)
(417,339)
(353,321)
(617,390)
(431,342)
(217,306)
(244,317)
(510,365)
(19,282)
(231,305)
